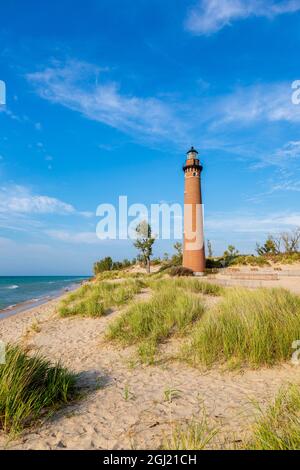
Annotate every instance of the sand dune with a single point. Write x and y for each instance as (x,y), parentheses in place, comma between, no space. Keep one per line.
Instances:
(124,406)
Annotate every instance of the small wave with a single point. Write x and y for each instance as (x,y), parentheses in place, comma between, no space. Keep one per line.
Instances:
(10,307)
(13,287)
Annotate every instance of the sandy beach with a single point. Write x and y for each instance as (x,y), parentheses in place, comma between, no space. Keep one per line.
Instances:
(124,404)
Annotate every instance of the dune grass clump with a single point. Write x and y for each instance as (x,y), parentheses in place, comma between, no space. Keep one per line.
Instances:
(247,260)
(252,328)
(94,299)
(30,388)
(193,285)
(199,287)
(149,323)
(195,435)
(278,428)
(118,274)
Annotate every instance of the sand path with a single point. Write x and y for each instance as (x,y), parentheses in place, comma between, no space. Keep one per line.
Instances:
(125,406)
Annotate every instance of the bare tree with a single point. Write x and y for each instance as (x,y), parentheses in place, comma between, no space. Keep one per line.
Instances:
(277,242)
(291,240)
(209,249)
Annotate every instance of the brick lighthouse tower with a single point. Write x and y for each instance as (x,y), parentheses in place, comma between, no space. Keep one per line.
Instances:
(193,247)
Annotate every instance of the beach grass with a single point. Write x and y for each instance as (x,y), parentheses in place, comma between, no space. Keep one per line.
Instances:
(247,328)
(193,285)
(118,274)
(31,388)
(149,323)
(194,435)
(94,299)
(199,287)
(278,427)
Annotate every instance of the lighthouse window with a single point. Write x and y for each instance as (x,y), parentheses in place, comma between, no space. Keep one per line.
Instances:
(194,174)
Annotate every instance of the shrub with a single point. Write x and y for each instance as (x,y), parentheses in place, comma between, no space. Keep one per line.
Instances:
(253,328)
(156,261)
(287,258)
(248,260)
(180,271)
(165,268)
(30,387)
(104,264)
(212,263)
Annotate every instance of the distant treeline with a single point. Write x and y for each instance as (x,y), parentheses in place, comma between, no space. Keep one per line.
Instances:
(283,248)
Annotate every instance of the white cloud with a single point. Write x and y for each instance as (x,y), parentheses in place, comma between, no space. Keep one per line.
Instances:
(210,16)
(286,155)
(15,199)
(289,185)
(286,159)
(9,113)
(218,119)
(249,105)
(76,85)
(290,151)
(249,223)
(77,237)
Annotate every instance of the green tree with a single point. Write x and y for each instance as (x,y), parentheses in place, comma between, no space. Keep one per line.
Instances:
(144,243)
(117,265)
(178,248)
(177,258)
(104,264)
(126,263)
(269,247)
(230,254)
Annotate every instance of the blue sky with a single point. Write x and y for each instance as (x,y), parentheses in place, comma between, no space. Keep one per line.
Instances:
(104,97)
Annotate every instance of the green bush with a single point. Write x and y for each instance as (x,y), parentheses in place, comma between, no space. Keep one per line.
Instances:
(248,260)
(180,271)
(104,264)
(213,263)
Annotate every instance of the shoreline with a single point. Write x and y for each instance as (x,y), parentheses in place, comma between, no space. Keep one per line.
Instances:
(35,303)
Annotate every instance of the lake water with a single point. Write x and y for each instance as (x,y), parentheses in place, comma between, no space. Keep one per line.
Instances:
(15,290)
